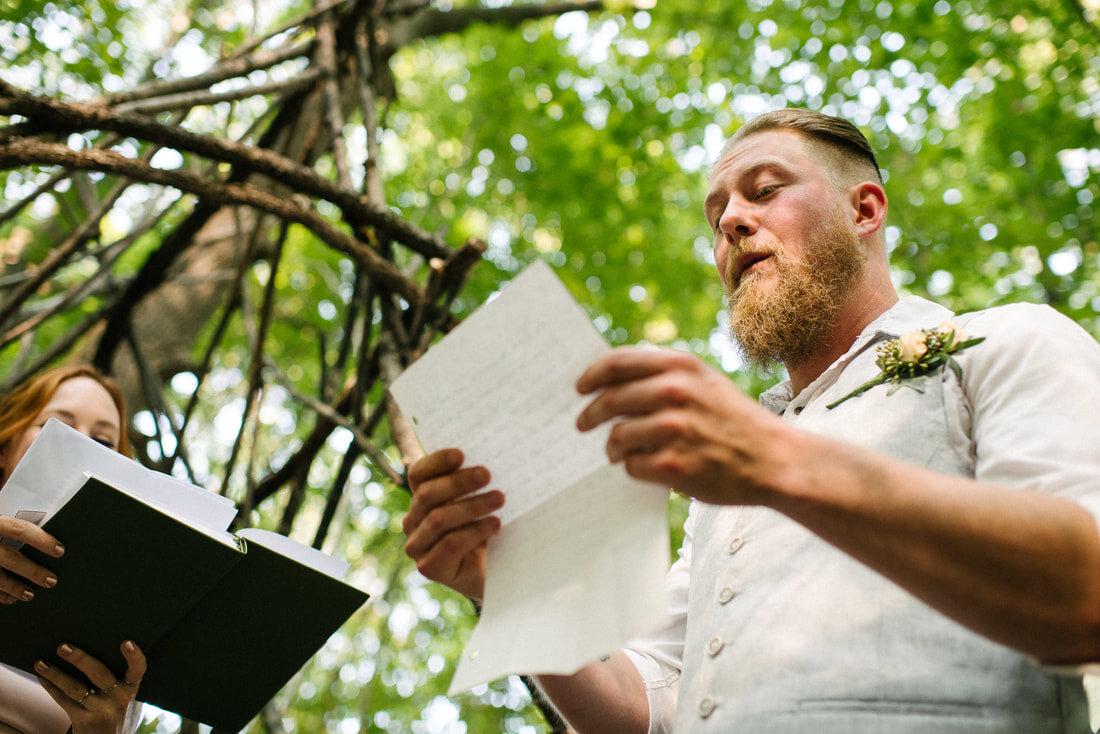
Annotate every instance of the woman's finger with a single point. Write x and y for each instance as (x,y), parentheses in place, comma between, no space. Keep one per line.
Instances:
(22,531)
(70,693)
(95,671)
(135,666)
(17,569)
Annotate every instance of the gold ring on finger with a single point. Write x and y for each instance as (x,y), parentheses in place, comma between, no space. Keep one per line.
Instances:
(123,680)
(89,692)
(108,690)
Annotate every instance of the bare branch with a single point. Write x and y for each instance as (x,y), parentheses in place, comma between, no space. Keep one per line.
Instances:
(22,152)
(228,69)
(357,209)
(440,22)
(326,59)
(362,440)
(184,100)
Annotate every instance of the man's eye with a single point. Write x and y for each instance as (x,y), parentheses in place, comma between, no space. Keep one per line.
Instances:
(766,191)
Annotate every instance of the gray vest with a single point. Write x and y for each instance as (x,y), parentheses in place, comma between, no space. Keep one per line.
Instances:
(788,635)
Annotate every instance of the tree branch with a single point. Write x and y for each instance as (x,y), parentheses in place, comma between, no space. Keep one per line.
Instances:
(356,208)
(22,152)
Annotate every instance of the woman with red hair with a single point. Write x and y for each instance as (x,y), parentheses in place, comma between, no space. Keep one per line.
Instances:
(57,702)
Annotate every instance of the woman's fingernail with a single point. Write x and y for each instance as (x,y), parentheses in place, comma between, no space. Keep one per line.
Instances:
(58,549)
(128,646)
(64,649)
(50,582)
(41,667)
(27,595)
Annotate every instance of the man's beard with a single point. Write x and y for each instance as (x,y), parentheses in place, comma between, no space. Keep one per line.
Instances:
(792,319)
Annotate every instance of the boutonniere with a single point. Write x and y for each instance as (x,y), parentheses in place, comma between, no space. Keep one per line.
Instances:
(913,355)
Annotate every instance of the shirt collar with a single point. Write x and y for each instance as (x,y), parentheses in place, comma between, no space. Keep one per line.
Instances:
(911,312)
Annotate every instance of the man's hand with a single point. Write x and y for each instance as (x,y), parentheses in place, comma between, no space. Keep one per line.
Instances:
(16,569)
(447,528)
(681,424)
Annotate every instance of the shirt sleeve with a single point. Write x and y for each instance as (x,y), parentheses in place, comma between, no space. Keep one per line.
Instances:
(1033,392)
(1033,389)
(659,657)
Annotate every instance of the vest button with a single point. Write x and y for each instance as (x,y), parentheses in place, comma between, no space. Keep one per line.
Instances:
(706,707)
(715,646)
(735,545)
(725,596)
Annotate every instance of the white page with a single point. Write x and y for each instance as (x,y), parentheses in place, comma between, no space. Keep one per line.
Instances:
(303,554)
(54,465)
(500,387)
(578,568)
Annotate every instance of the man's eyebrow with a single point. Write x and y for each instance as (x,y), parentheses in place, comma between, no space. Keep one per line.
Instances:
(764,165)
(749,172)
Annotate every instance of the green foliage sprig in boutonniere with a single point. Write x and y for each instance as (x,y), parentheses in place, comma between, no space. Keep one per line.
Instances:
(913,355)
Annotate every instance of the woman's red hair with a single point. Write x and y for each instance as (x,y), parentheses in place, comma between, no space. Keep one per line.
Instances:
(21,406)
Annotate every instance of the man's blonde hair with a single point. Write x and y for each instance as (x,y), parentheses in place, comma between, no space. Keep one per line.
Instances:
(836,142)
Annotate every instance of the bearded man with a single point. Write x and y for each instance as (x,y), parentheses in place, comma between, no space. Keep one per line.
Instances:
(901,537)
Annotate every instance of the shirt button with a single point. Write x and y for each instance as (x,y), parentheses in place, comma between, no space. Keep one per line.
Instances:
(715,646)
(735,545)
(725,596)
(706,707)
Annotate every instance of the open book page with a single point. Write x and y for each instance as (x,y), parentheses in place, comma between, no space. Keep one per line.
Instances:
(500,387)
(54,466)
(303,554)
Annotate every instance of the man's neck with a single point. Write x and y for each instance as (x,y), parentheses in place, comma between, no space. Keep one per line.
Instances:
(853,319)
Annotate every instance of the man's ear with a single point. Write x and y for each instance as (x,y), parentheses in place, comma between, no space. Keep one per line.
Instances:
(868,200)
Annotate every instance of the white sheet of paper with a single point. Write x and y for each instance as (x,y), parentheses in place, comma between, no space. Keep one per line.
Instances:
(56,462)
(578,567)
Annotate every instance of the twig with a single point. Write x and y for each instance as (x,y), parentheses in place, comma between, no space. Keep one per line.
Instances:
(184,100)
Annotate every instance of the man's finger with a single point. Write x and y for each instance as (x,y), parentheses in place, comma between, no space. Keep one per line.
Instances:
(443,490)
(625,364)
(435,464)
(450,518)
(444,560)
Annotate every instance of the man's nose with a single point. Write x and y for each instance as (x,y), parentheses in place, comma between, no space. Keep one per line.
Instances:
(737,222)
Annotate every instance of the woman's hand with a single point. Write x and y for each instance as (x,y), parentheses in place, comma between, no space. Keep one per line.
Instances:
(93,710)
(15,568)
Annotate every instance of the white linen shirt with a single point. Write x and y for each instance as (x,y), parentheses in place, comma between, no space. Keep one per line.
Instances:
(26,707)
(776,631)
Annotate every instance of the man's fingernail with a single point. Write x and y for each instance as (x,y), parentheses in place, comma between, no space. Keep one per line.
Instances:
(58,549)
(50,582)
(27,595)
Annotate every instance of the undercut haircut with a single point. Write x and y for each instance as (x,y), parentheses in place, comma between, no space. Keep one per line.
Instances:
(842,148)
